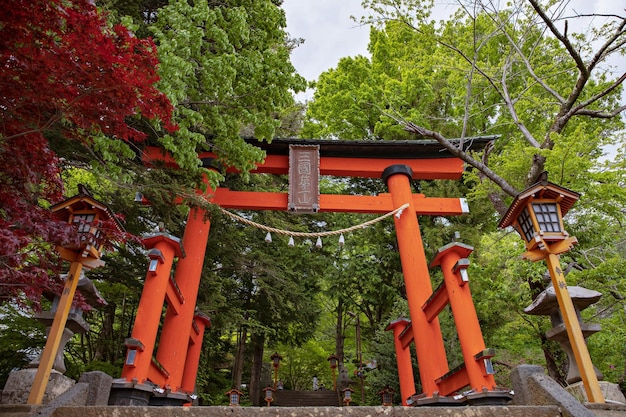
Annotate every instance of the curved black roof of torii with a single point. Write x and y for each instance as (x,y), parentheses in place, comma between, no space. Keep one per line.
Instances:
(410,149)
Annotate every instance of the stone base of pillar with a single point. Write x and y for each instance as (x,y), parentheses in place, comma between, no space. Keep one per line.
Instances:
(611,392)
(19,384)
(130,394)
(126,393)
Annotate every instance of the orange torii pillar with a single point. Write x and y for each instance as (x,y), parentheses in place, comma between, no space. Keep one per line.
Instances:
(431,354)
(200,323)
(137,382)
(178,325)
(477,373)
(163,249)
(403,359)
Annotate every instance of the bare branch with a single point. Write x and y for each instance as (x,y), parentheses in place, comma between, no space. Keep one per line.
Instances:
(563,39)
(607,47)
(459,153)
(509,104)
(597,114)
(529,67)
(578,109)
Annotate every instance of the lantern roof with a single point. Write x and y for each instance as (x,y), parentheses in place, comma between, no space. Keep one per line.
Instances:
(233,391)
(84,201)
(386,389)
(200,316)
(540,190)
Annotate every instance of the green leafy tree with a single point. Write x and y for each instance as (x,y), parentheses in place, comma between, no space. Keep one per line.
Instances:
(225,66)
(516,71)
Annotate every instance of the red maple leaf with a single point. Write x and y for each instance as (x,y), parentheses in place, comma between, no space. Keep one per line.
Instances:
(62,68)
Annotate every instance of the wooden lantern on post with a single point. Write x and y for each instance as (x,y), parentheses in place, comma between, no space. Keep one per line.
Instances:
(537,215)
(347,395)
(86,214)
(386,395)
(276,358)
(269,395)
(333,361)
(234,397)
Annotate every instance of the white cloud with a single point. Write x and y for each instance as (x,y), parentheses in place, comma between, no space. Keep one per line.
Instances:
(329,33)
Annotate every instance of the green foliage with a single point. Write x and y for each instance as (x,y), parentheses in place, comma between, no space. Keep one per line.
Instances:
(494,70)
(225,65)
(20,336)
(226,68)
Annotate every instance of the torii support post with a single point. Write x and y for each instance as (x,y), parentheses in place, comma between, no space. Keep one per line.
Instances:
(431,354)
(452,259)
(143,337)
(174,341)
(403,358)
(199,324)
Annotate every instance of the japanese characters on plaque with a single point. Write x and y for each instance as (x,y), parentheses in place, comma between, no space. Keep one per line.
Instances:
(304,178)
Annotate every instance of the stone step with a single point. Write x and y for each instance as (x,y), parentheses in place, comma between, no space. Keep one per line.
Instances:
(319,398)
(482,411)
(379,411)
(18,410)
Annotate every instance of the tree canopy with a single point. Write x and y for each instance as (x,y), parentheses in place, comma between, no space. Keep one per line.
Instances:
(84,89)
(65,72)
(539,76)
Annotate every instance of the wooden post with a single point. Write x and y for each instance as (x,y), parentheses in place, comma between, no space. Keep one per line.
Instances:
(574,332)
(464,312)
(54,337)
(200,323)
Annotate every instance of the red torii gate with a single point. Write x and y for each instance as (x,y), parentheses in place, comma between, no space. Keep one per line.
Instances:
(168,377)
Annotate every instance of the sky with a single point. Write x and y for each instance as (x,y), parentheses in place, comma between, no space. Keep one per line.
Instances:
(330,34)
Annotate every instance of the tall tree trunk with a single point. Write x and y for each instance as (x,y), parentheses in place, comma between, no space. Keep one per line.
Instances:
(343,377)
(257,341)
(242,335)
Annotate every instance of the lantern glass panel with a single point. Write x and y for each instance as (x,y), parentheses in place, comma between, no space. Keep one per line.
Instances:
(526,224)
(84,222)
(547,216)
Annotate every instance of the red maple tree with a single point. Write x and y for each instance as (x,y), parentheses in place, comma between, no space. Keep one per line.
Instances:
(63,69)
